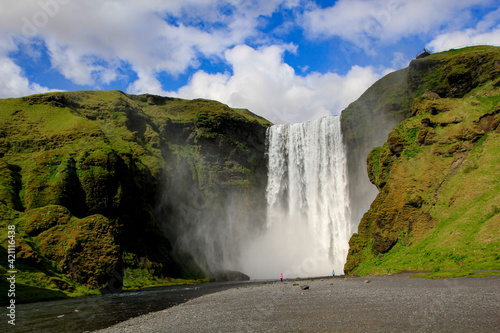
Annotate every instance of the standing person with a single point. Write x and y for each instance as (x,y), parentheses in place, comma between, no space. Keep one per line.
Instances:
(281,277)
(333,272)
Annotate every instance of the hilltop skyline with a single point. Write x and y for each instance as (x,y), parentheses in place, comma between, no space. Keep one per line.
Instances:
(288,61)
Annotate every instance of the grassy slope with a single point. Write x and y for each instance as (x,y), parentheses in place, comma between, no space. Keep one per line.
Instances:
(438,206)
(113,146)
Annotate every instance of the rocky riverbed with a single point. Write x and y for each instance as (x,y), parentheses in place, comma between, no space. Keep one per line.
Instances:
(395,303)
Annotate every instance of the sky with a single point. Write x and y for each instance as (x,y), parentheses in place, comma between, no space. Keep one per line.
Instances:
(286,60)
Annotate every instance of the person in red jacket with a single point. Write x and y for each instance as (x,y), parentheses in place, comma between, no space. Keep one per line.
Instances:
(281,277)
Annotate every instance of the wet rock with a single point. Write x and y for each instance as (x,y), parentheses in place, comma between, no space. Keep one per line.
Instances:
(426,122)
(430,95)
(396,144)
(382,243)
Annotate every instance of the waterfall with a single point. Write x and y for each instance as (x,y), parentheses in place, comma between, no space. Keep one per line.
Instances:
(308,214)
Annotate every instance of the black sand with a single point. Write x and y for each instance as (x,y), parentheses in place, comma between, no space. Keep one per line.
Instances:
(394,303)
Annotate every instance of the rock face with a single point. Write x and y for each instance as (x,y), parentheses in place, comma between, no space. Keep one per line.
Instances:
(84,249)
(437,172)
(365,125)
(99,181)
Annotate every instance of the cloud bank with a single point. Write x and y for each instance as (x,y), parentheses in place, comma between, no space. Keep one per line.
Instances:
(486,32)
(240,52)
(262,82)
(363,22)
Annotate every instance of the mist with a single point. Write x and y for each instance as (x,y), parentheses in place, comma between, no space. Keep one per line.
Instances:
(296,221)
(366,124)
(210,226)
(213,198)
(308,214)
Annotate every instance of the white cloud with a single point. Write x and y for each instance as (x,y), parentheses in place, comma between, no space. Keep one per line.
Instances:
(400,61)
(146,83)
(486,32)
(87,41)
(459,39)
(262,82)
(364,22)
(14,83)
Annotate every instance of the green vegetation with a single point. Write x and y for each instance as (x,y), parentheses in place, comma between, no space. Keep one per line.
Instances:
(438,176)
(456,68)
(140,278)
(82,177)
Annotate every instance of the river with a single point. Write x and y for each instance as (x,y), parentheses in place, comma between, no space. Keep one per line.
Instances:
(86,314)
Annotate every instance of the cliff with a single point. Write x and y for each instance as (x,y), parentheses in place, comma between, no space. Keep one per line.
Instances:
(97,184)
(437,173)
(365,125)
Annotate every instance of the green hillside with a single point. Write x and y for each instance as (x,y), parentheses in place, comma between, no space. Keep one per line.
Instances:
(438,174)
(83,177)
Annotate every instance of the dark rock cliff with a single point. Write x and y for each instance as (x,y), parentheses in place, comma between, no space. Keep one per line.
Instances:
(96,182)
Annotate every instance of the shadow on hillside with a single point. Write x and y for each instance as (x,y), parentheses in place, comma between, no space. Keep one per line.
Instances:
(28,294)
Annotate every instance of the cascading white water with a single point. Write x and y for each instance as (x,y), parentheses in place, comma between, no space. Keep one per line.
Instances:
(308,214)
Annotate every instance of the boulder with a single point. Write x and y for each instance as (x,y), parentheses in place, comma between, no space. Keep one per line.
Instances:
(430,95)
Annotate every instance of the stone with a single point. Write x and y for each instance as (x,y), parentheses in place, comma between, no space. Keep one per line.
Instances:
(426,122)
(430,95)
(61,284)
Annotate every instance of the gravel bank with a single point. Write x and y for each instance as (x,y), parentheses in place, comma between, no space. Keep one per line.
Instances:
(394,303)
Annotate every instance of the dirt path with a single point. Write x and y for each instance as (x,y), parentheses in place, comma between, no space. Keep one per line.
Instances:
(395,303)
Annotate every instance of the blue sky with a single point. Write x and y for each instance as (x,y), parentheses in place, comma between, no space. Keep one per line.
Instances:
(286,60)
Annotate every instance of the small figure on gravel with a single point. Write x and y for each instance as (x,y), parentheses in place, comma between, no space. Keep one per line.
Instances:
(333,272)
(281,277)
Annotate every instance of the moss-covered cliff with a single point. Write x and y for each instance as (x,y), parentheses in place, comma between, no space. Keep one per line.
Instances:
(95,182)
(365,125)
(438,172)
(367,122)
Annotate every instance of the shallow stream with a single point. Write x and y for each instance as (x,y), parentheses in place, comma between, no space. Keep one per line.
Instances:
(85,314)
